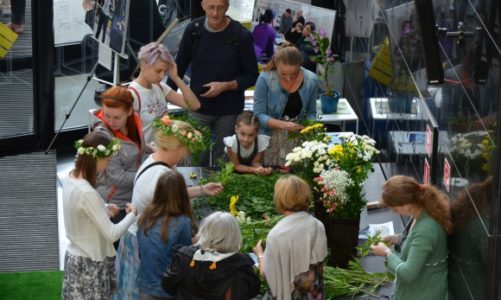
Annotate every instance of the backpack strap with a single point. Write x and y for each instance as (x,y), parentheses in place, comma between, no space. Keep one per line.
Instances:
(137,96)
(195,34)
(156,163)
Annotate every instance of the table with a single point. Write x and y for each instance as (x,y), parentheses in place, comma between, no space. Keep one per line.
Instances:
(413,142)
(380,111)
(345,113)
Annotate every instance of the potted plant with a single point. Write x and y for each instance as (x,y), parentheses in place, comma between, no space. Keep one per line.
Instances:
(324,58)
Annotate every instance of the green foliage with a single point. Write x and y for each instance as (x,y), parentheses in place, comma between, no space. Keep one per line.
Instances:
(226,172)
(204,130)
(31,285)
(255,231)
(365,248)
(255,193)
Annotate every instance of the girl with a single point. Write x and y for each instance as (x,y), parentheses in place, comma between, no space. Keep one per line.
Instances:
(296,247)
(421,270)
(151,94)
(172,147)
(284,94)
(166,222)
(245,148)
(89,271)
(115,183)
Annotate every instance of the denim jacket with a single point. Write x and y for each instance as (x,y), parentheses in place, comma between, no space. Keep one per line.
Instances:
(270,98)
(156,255)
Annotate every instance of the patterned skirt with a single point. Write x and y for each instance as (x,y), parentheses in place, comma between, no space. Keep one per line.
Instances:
(85,278)
(280,146)
(127,267)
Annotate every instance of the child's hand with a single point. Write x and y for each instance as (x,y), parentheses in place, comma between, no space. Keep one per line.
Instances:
(172,70)
(263,171)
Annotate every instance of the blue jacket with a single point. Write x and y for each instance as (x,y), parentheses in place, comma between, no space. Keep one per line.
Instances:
(156,255)
(270,98)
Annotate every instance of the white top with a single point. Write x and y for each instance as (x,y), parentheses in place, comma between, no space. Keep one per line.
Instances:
(149,103)
(88,227)
(262,140)
(144,187)
(296,242)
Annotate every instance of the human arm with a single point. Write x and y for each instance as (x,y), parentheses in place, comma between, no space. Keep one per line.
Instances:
(93,206)
(186,98)
(311,111)
(112,209)
(258,250)
(209,189)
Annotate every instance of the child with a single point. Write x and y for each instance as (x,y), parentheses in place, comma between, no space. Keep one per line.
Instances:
(245,149)
(151,94)
(166,222)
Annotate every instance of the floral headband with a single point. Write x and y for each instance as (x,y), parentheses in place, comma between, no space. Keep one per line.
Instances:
(189,137)
(100,151)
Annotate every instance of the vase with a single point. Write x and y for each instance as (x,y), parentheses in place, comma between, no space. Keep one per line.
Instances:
(329,103)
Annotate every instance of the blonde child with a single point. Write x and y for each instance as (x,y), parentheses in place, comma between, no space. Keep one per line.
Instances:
(151,94)
(245,149)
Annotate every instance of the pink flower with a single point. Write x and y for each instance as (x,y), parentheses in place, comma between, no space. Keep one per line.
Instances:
(166,120)
(322,33)
(183,132)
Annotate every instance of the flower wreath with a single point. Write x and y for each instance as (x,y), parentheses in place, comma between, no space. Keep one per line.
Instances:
(100,151)
(189,137)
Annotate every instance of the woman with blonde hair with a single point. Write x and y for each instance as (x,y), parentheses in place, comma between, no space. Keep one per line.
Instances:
(292,262)
(421,269)
(285,94)
(174,141)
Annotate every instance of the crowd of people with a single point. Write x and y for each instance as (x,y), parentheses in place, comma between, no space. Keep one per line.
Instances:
(125,187)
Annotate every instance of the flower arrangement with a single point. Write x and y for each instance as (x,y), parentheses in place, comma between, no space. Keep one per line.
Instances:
(311,132)
(191,138)
(334,184)
(310,159)
(101,151)
(324,56)
(472,151)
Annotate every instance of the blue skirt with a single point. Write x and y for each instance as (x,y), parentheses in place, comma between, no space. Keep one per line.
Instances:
(127,266)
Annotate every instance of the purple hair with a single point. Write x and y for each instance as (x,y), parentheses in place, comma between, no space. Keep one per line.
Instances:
(151,52)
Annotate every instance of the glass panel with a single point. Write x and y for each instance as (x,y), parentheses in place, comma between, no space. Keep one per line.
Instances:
(16,73)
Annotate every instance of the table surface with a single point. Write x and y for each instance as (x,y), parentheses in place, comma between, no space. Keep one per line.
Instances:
(344,113)
(413,142)
(380,110)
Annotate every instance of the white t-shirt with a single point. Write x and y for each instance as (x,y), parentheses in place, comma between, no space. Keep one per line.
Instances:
(150,104)
(262,140)
(144,187)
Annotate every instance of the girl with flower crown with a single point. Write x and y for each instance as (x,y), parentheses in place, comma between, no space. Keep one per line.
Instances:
(151,94)
(174,141)
(116,182)
(89,271)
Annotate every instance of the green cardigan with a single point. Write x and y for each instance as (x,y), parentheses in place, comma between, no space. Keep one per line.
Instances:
(421,272)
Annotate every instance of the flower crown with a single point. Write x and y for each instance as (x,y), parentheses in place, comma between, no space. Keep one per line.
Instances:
(100,151)
(189,137)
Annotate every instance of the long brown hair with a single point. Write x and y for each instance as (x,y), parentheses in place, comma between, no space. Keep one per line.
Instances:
(121,97)
(400,190)
(85,164)
(169,200)
(287,54)
(470,202)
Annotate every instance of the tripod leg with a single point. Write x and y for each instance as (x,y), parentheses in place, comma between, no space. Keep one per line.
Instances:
(67,116)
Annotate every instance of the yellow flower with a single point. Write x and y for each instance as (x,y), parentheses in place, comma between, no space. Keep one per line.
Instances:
(358,169)
(485,142)
(233,205)
(485,167)
(336,151)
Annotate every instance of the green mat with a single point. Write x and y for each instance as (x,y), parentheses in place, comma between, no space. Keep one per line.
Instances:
(31,285)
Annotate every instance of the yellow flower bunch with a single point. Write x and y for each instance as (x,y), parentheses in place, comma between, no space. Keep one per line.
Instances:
(233,205)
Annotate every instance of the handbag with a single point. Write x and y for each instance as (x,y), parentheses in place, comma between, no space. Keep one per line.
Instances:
(7,39)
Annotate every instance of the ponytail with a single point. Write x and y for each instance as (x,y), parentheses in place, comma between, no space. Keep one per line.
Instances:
(436,204)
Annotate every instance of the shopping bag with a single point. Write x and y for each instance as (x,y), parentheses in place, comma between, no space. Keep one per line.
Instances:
(7,39)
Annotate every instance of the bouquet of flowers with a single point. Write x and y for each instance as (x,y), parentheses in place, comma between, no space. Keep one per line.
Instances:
(472,151)
(312,131)
(309,160)
(334,184)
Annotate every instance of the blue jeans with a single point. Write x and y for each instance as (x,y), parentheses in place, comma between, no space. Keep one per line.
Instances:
(221,126)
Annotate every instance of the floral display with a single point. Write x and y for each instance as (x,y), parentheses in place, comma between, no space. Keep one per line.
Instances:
(472,151)
(324,57)
(310,159)
(334,184)
(101,151)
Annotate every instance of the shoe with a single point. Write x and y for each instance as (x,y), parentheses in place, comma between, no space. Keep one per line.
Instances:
(16,28)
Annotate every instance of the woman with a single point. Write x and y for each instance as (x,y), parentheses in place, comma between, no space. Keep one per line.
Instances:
(89,271)
(172,147)
(295,247)
(213,268)
(117,115)
(285,94)
(421,270)
(151,94)
(166,222)
(306,47)
(264,37)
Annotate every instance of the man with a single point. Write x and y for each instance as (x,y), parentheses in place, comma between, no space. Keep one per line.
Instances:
(286,21)
(223,64)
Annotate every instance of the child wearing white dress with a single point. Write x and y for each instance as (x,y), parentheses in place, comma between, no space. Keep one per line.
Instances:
(245,149)
(151,94)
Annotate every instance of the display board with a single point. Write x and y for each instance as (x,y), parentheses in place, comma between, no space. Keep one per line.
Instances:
(69,25)
(110,24)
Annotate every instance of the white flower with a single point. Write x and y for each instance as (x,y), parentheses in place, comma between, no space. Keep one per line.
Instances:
(101,148)
(116,147)
(81,150)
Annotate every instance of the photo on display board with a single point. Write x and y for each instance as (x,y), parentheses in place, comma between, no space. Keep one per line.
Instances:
(110,24)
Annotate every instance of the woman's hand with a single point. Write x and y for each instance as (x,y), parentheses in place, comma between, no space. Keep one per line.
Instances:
(112,210)
(212,188)
(391,239)
(130,208)
(172,71)
(291,126)
(258,249)
(380,249)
